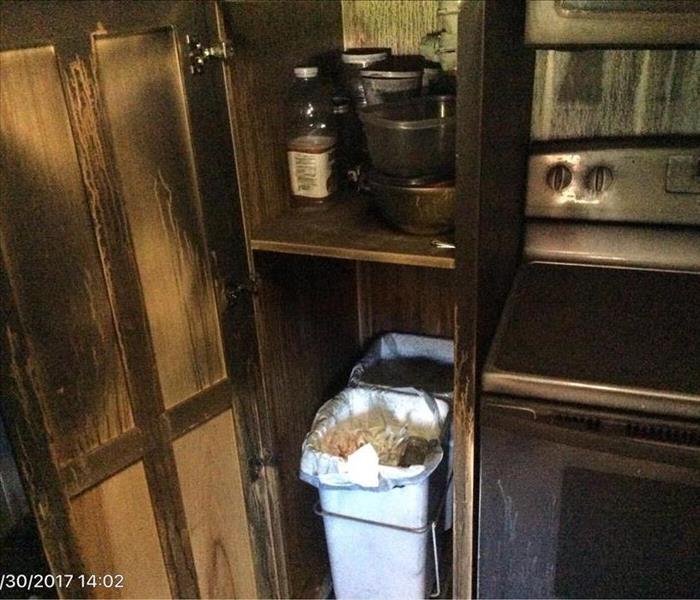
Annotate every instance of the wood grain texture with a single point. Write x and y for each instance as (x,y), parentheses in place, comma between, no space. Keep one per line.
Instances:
(88,470)
(210,480)
(405,299)
(604,93)
(52,260)
(145,105)
(106,224)
(127,300)
(396,24)
(308,343)
(117,534)
(348,229)
(269,40)
(125,292)
(470,100)
(199,409)
(72,20)
(115,240)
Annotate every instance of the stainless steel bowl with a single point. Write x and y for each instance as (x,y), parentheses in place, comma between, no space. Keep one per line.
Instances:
(413,206)
(412,138)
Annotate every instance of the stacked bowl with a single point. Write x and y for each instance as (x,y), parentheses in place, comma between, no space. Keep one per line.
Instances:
(411,145)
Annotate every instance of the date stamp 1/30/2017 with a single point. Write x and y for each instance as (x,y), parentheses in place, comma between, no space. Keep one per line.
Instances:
(33,581)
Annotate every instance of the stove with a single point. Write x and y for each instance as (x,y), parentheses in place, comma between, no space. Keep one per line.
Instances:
(590,396)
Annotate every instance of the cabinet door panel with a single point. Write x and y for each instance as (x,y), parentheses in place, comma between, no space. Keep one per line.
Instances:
(52,260)
(140,81)
(112,344)
(118,536)
(211,488)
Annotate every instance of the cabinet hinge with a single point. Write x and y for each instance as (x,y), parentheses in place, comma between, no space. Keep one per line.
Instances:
(235,289)
(256,464)
(198,54)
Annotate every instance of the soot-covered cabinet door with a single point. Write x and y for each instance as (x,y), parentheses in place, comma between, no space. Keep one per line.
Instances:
(129,383)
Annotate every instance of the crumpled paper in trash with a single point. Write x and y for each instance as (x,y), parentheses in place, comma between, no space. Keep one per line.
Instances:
(352,434)
(357,439)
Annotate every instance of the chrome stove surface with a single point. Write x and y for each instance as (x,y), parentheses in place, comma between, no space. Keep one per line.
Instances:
(602,336)
(605,309)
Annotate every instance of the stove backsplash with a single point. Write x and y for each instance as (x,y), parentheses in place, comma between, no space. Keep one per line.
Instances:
(615,93)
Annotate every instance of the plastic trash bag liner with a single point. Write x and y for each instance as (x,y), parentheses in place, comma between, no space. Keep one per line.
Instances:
(356,439)
(404,361)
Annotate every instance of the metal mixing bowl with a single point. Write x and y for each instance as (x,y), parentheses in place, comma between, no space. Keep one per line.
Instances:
(415,208)
(412,138)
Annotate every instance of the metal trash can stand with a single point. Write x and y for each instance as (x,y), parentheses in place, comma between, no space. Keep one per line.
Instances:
(382,541)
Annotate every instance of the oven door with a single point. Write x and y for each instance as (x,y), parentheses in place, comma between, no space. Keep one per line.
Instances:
(634,22)
(578,502)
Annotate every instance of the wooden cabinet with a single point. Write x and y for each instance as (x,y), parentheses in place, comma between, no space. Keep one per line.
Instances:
(125,374)
(170,325)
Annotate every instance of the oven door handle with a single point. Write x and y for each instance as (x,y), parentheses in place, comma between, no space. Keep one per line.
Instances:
(596,431)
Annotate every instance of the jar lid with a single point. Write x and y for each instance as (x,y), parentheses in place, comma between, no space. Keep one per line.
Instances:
(305,72)
(364,56)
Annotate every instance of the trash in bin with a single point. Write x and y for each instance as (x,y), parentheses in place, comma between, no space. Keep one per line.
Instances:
(379,516)
(415,450)
(383,420)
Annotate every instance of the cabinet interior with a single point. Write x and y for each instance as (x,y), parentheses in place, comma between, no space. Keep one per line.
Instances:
(329,281)
(314,316)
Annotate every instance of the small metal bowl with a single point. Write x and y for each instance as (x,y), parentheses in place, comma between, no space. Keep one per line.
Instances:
(417,206)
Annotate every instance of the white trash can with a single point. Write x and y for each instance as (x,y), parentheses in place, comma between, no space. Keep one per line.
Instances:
(394,557)
(382,542)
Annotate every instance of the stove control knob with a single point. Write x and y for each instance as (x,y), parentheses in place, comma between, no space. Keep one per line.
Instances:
(558,177)
(599,179)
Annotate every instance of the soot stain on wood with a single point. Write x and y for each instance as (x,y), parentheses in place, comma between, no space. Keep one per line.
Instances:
(106,205)
(194,286)
(83,104)
(38,466)
(220,582)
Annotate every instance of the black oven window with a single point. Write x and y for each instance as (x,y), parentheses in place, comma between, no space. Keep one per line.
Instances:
(627,537)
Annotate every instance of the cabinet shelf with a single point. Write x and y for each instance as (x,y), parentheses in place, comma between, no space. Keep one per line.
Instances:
(349,229)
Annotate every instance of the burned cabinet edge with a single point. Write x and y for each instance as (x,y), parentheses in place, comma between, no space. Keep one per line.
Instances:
(487,251)
(25,426)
